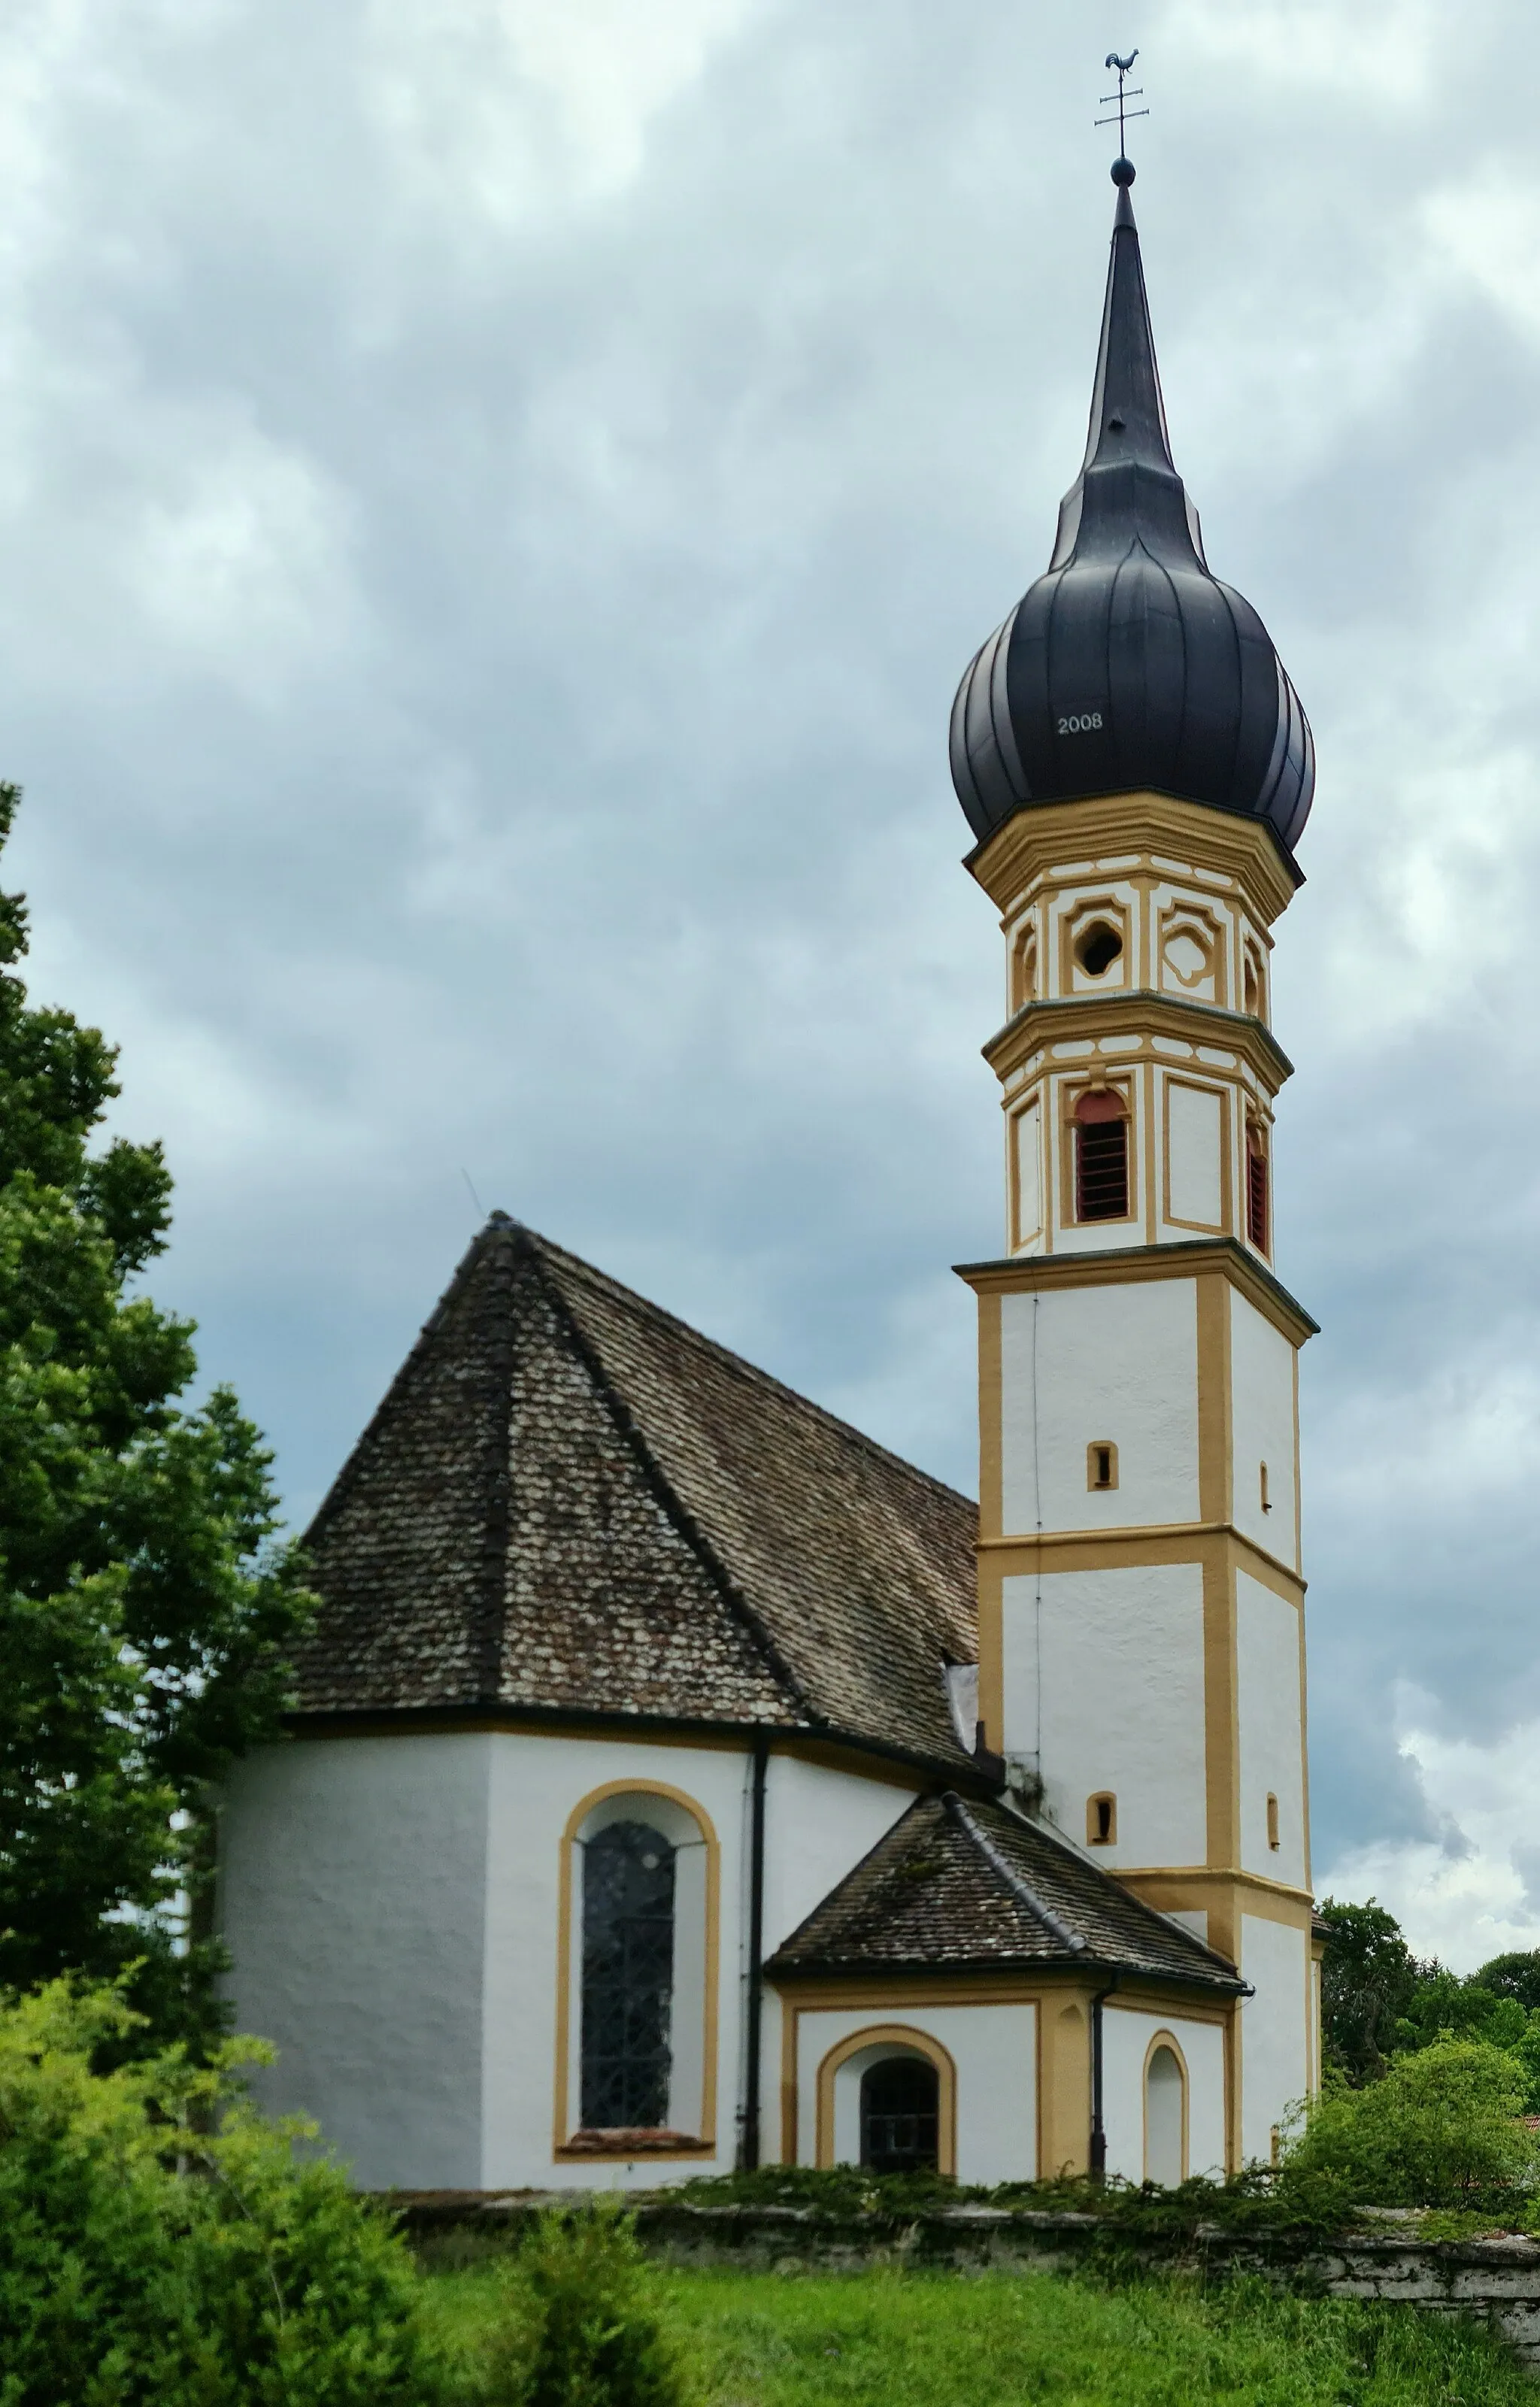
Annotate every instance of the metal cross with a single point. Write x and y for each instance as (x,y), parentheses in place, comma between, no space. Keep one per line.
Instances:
(1124,68)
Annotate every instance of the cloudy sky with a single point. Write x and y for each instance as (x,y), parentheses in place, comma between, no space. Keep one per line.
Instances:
(495,496)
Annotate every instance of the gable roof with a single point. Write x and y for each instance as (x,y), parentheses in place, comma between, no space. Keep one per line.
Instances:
(966,1885)
(571,1500)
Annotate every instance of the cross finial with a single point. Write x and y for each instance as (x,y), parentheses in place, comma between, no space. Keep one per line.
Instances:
(1122,166)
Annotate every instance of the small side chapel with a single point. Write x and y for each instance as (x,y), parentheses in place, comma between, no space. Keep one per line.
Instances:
(677,1779)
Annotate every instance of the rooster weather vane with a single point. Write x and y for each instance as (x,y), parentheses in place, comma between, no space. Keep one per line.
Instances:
(1122,172)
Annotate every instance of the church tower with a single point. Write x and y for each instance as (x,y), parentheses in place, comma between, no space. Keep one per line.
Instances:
(1136,768)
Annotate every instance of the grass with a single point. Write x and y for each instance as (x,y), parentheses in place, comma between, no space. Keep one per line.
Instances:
(1038,2339)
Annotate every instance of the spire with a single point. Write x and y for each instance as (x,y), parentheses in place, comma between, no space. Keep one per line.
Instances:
(1128,664)
(1127,429)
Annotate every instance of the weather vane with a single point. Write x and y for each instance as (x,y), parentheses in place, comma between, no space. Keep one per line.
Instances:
(1122,96)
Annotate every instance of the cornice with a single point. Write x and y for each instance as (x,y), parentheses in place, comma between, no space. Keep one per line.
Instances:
(1020,1274)
(1041,837)
(981,1775)
(1137,1010)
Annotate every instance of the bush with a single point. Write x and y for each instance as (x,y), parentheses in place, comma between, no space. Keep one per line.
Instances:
(597,2336)
(1440,2129)
(147,2256)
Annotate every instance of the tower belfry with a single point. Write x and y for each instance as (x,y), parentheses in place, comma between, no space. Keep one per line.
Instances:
(1136,768)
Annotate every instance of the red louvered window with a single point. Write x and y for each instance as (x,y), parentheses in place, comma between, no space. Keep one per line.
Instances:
(1256,1190)
(1101,1157)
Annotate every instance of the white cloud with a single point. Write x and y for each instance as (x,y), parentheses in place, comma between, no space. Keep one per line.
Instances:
(1470,1898)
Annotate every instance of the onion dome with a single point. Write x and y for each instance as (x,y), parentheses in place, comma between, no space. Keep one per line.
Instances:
(1128,664)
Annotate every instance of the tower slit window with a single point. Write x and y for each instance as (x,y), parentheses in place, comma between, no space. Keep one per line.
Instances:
(628,1978)
(1101,1157)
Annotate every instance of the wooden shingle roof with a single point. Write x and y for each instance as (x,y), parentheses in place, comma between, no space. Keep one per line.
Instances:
(570,1501)
(966,1885)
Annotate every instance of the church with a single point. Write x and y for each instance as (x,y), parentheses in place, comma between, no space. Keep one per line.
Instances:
(678,1781)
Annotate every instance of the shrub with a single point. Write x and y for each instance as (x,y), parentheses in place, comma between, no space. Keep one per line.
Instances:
(597,2338)
(148,2257)
(1440,2129)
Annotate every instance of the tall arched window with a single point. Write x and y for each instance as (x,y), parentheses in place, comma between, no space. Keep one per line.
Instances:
(1101,1155)
(900,2114)
(628,1978)
(1166,2116)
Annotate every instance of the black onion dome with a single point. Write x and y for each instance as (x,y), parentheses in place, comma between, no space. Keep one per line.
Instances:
(1128,664)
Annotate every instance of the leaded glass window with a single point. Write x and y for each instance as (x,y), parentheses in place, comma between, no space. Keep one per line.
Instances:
(628,1978)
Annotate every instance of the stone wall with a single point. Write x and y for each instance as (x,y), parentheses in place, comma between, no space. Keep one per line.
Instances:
(1496,2280)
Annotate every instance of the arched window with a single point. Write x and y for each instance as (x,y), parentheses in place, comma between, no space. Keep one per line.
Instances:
(628,1978)
(900,2114)
(1101,1155)
(1166,2116)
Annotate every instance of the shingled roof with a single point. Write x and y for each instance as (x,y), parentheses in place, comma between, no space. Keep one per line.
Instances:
(963,1885)
(570,1501)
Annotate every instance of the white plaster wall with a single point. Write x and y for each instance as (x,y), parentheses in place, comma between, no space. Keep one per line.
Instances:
(1262,1377)
(1269,1644)
(995,2049)
(351,1882)
(1194,1144)
(1126,2034)
(1122,1702)
(819,1824)
(1119,1362)
(1275,2060)
(535,1782)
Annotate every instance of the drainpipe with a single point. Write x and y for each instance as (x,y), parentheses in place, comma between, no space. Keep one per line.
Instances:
(749,2150)
(1098,2128)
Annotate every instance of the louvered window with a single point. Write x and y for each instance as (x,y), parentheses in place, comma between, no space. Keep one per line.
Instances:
(1256,1191)
(1100,1157)
(628,1978)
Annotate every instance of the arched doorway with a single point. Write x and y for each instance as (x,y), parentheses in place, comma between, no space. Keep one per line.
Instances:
(900,2114)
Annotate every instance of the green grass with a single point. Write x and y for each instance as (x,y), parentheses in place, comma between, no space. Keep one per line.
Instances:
(1036,2340)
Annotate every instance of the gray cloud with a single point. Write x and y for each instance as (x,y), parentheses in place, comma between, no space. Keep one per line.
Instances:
(494,500)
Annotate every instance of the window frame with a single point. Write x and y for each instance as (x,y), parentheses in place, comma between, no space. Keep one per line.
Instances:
(697,1929)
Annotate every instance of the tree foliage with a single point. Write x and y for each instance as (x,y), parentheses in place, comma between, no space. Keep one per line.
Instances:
(148,2259)
(146,1611)
(1379,2002)
(1441,2128)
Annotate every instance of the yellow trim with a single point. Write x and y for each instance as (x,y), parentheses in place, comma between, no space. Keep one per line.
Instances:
(1066,2086)
(1166,2039)
(1145,1013)
(1167,1542)
(887,1993)
(1173,1220)
(703,2143)
(1032,843)
(1181,1259)
(894,2035)
(789,2018)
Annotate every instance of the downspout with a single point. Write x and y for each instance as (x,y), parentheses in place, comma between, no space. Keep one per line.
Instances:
(749,2147)
(1098,2128)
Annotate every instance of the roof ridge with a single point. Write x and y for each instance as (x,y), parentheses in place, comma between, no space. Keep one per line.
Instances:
(662,1486)
(497,1226)
(1078,1855)
(1014,1880)
(751,1371)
